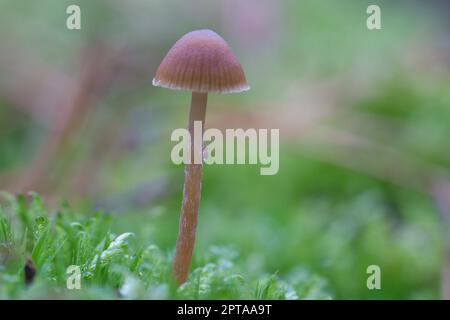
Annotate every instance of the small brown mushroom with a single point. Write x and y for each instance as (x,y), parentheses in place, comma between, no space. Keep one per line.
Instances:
(201,62)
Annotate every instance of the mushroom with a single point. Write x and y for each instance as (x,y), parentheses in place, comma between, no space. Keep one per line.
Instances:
(200,62)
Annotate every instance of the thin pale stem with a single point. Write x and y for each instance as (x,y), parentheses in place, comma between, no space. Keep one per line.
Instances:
(191,196)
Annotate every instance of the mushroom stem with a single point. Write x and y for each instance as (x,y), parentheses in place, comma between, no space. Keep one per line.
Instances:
(191,195)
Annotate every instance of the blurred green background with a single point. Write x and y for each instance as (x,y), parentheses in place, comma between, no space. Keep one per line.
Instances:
(364,119)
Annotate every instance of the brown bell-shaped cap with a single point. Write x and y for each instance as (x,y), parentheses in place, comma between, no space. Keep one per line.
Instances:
(201,61)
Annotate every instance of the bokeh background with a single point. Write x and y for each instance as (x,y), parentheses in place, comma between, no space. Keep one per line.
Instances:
(364,119)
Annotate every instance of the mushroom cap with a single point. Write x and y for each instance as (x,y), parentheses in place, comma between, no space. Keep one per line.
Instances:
(201,61)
